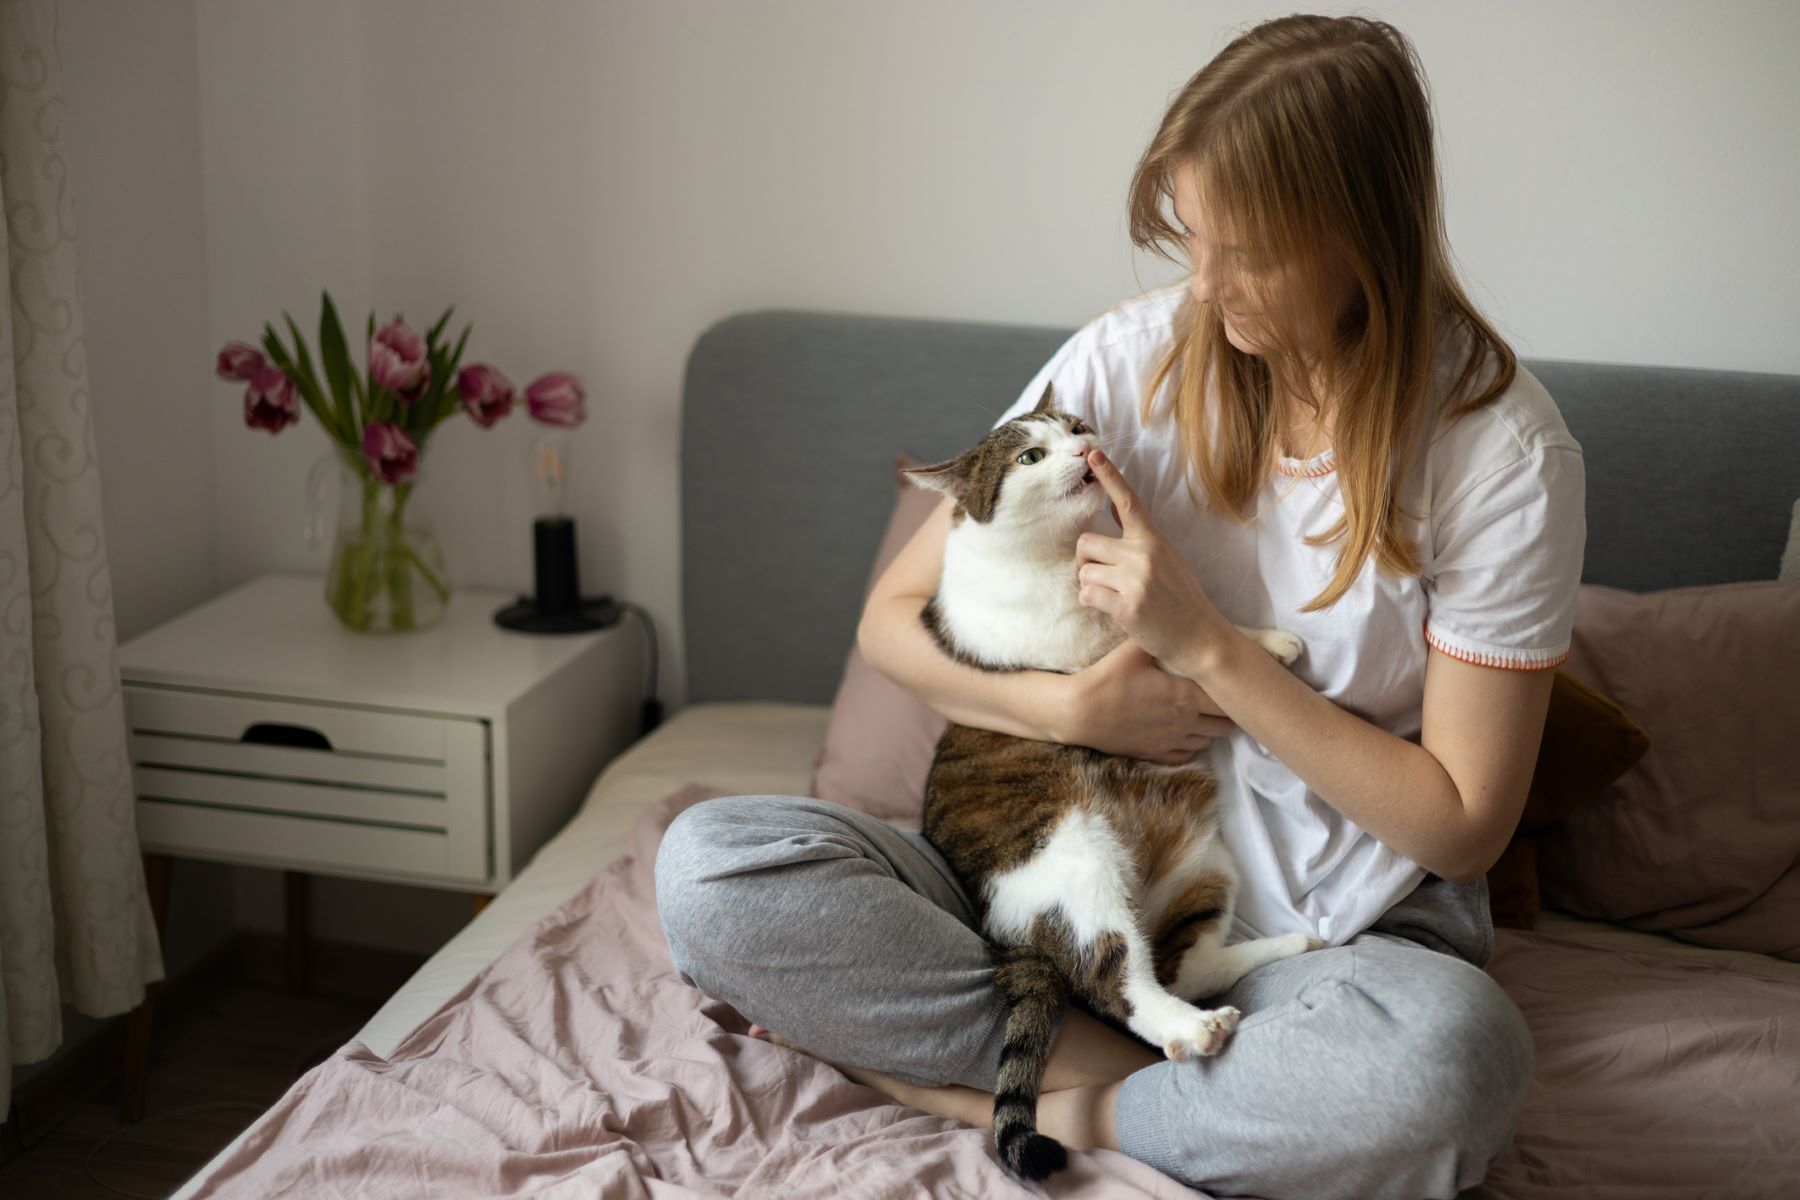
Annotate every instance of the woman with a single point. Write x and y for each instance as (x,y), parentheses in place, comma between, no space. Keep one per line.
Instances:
(1321,435)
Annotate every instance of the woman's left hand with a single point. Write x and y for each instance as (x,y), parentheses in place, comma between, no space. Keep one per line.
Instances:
(1140,581)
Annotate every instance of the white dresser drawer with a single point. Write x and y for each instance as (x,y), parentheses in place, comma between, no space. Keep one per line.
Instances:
(310,786)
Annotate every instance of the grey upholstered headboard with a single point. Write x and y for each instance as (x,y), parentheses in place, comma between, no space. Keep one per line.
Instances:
(791,421)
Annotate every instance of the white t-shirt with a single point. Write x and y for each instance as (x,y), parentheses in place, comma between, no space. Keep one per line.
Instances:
(1500,545)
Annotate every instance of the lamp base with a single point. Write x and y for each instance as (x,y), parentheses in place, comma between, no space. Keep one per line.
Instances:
(595,612)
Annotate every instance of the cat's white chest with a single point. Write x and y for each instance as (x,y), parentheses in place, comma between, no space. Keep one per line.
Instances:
(1019,609)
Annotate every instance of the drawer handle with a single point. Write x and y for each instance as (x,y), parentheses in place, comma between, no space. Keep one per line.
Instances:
(276,733)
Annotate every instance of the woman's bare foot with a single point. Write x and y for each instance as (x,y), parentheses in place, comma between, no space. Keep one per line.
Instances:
(1088,1066)
(959,1103)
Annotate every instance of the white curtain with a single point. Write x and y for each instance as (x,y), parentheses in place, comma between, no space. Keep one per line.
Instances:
(75,924)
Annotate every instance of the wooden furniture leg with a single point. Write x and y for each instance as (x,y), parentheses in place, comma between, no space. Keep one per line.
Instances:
(296,930)
(142,1023)
(477,902)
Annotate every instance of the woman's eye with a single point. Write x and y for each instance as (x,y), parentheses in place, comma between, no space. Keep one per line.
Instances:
(1030,456)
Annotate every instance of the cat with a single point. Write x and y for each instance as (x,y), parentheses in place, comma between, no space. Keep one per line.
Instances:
(1093,875)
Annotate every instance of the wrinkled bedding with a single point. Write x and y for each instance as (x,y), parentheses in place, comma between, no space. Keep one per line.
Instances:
(578,1064)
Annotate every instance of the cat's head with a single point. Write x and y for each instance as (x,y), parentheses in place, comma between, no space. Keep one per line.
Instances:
(1032,470)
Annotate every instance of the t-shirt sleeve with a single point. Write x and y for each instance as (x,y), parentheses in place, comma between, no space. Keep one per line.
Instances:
(1500,588)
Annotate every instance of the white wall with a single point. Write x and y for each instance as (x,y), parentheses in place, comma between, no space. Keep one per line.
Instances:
(595,183)
(131,135)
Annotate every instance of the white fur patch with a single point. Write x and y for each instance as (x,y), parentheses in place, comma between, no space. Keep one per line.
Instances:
(1081,870)
(1008,595)
(1015,605)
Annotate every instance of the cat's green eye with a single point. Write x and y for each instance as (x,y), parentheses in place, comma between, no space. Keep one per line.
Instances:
(1078,427)
(1030,456)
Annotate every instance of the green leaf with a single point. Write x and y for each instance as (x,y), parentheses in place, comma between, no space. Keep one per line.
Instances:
(346,431)
(371,390)
(336,357)
(432,335)
(309,391)
(451,399)
(456,354)
(302,359)
(277,352)
(427,410)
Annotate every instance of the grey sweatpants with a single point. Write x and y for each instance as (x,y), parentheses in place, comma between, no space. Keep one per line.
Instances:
(1389,1067)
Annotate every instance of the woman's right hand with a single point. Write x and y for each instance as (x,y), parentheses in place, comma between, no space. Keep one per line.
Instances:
(1126,704)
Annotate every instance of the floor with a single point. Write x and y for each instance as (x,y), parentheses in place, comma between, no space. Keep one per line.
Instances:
(212,1071)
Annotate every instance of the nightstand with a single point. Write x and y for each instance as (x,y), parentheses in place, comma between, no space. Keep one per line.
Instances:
(264,733)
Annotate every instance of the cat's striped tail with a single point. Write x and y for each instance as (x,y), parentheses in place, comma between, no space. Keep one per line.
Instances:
(1035,990)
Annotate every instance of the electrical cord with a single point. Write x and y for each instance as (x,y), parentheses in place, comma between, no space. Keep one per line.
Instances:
(650,716)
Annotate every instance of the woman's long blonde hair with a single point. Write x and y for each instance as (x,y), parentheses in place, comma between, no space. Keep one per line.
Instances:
(1313,135)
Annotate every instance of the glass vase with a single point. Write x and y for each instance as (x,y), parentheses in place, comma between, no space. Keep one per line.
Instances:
(387,569)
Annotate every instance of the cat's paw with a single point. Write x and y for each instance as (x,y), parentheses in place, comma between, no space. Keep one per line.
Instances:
(1285,646)
(1290,944)
(1207,1037)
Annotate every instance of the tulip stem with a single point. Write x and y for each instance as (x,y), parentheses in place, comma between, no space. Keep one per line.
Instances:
(372,579)
(431,577)
(363,560)
(399,561)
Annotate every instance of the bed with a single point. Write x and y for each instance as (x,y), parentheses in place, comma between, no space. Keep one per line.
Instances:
(549,1050)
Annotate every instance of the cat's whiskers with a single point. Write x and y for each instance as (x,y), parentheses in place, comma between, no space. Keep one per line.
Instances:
(1119,441)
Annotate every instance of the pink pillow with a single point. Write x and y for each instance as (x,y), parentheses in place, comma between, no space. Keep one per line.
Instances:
(880,740)
(1701,839)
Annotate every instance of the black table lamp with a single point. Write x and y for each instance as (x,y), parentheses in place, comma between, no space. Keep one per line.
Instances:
(558,605)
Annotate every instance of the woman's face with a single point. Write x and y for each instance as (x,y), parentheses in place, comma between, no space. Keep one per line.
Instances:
(1251,292)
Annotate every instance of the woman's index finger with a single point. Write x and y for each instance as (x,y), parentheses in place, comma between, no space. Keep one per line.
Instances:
(1128,510)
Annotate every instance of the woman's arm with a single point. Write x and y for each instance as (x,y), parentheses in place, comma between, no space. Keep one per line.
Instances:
(1448,803)
(1123,704)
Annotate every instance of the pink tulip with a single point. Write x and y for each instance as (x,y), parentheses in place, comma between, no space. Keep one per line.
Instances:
(396,356)
(270,401)
(411,395)
(485,393)
(557,399)
(239,362)
(391,455)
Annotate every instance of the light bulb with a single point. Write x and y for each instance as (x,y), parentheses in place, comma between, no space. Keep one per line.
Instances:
(550,474)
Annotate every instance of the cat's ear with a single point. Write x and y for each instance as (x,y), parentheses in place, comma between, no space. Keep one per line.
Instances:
(950,478)
(1047,399)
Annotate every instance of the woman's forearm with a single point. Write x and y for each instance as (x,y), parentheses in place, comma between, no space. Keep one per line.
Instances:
(1394,789)
(1028,704)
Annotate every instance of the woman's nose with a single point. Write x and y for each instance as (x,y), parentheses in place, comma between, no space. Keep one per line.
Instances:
(1204,285)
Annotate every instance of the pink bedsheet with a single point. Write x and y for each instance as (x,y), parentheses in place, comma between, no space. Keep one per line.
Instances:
(577,1064)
